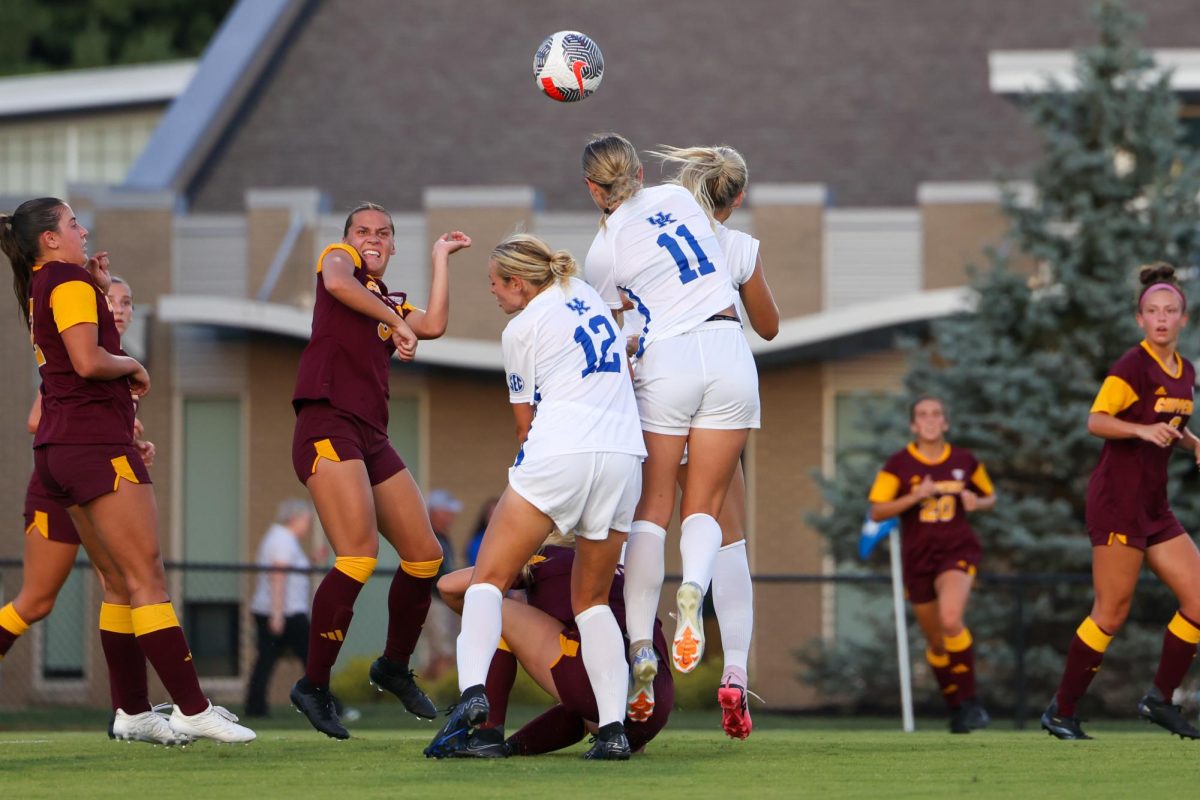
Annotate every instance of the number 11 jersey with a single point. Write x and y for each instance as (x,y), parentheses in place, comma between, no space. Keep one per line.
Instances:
(660,249)
(564,354)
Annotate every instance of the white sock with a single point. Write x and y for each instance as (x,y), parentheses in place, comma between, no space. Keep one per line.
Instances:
(480,634)
(733,598)
(603,650)
(645,563)
(699,545)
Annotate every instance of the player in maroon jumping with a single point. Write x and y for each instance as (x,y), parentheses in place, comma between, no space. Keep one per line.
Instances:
(932,487)
(84,452)
(539,631)
(1141,413)
(341,453)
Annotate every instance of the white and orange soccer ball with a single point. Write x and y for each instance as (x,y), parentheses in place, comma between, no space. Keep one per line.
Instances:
(568,66)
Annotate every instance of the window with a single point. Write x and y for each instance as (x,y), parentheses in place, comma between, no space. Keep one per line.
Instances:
(64,635)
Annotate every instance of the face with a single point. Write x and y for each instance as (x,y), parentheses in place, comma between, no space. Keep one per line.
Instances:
(929,421)
(1161,317)
(121,300)
(371,235)
(67,242)
(442,519)
(510,293)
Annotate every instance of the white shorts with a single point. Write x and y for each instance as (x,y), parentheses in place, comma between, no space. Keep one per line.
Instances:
(705,378)
(588,493)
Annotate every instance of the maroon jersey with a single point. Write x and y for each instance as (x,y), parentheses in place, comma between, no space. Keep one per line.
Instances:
(1127,493)
(75,410)
(938,521)
(549,588)
(346,360)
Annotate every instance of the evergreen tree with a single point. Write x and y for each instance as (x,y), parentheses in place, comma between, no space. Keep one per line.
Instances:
(1116,187)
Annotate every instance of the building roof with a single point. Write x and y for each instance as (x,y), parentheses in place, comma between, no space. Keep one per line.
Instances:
(869,98)
(88,89)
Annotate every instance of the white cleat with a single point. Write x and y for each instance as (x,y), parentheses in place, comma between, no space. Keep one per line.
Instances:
(214,723)
(688,646)
(148,726)
(643,669)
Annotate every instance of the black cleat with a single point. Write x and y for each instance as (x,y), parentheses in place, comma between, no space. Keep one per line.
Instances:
(1153,708)
(1061,727)
(609,744)
(111,719)
(316,703)
(470,710)
(482,743)
(398,679)
(958,722)
(974,715)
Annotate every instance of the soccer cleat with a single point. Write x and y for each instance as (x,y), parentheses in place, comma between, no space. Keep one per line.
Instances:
(318,704)
(735,711)
(974,715)
(609,744)
(399,681)
(482,743)
(957,723)
(688,647)
(642,672)
(148,726)
(214,723)
(1061,727)
(470,710)
(1153,708)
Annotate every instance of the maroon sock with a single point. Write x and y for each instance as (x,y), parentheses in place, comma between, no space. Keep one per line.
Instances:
(1178,652)
(333,608)
(553,730)
(942,670)
(408,605)
(1083,662)
(500,678)
(7,640)
(126,672)
(962,670)
(167,651)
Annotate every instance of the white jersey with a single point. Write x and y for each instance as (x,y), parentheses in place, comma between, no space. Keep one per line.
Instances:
(659,248)
(564,354)
(280,546)
(741,254)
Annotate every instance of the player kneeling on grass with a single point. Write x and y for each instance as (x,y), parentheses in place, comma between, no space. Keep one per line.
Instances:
(577,469)
(539,631)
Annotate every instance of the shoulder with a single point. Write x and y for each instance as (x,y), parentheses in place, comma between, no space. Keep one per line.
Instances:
(338,251)
(1131,362)
(961,455)
(56,273)
(898,460)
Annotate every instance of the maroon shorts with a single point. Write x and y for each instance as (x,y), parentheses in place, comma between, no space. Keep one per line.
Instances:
(46,516)
(327,433)
(75,474)
(1166,530)
(922,568)
(575,690)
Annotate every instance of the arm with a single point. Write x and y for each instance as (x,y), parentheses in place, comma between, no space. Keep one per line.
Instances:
(95,363)
(35,414)
(523,412)
(337,272)
(760,303)
(453,586)
(97,267)
(892,508)
(431,322)
(1107,426)
(277,579)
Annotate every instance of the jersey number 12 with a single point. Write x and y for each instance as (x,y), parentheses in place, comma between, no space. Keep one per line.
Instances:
(686,273)
(608,362)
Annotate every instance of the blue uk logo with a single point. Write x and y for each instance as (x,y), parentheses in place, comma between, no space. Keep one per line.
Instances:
(660,219)
(515,384)
(578,306)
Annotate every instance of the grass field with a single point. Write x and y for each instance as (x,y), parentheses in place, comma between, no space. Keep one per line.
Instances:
(786,757)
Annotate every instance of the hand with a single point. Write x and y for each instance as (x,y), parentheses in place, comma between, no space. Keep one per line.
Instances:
(451,242)
(139,430)
(97,267)
(631,345)
(276,624)
(1160,433)
(405,341)
(146,449)
(970,500)
(925,489)
(139,382)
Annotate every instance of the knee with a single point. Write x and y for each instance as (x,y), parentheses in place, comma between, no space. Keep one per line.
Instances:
(425,550)
(34,609)
(1110,616)
(952,624)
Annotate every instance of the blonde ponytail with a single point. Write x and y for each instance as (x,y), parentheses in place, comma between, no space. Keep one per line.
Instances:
(525,256)
(612,163)
(715,176)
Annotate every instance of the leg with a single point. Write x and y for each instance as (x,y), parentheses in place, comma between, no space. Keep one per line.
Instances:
(953,589)
(929,619)
(1177,562)
(45,567)
(268,648)
(599,635)
(404,522)
(733,591)
(533,637)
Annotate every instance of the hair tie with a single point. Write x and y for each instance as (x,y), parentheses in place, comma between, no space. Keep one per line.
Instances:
(1156,286)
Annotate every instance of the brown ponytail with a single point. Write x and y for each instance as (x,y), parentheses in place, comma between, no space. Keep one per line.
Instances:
(19,234)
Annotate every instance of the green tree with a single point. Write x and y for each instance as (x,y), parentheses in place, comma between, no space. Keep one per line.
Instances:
(1116,187)
(36,36)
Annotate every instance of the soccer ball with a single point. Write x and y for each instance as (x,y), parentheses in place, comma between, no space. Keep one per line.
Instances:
(568,66)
